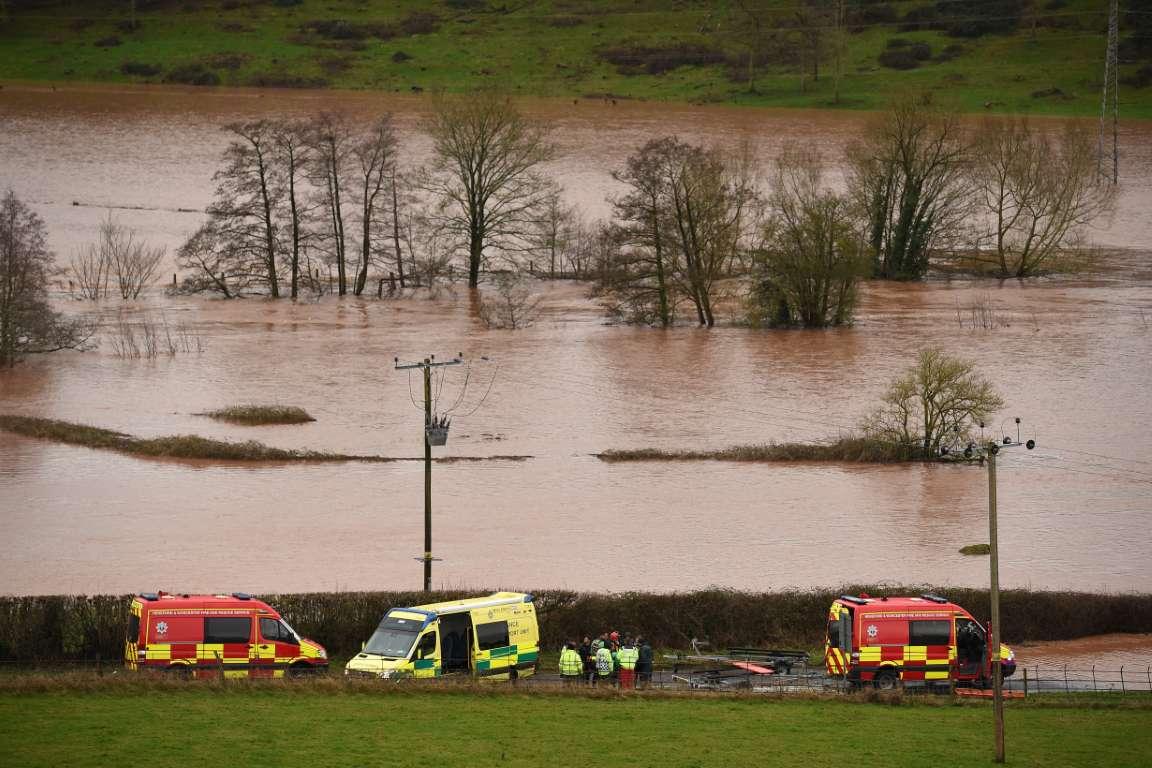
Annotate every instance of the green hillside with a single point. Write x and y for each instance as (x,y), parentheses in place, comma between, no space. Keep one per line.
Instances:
(1039,56)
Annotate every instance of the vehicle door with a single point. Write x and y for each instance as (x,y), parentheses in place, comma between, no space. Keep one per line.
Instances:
(227,641)
(426,655)
(495,654)
(928,654)
(277,645)
(971,649)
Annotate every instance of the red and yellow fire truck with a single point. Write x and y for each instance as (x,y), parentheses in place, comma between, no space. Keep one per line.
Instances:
(924,640)
(234,634)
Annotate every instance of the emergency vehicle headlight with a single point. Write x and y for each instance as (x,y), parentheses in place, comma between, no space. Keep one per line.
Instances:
(323,654)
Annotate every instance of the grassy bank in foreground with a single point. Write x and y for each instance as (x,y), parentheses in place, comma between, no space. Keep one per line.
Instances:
(1047,60)
(265,725)
(192,447)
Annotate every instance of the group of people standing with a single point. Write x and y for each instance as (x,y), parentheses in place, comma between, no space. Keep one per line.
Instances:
(606,660)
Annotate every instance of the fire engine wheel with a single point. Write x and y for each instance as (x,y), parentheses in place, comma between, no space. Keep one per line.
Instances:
(180,671)
(300,670)
(886,680)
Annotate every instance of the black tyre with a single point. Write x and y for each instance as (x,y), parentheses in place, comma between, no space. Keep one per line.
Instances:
(886,680)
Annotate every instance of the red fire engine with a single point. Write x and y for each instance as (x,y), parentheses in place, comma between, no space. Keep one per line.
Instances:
(924,640)
(235,634)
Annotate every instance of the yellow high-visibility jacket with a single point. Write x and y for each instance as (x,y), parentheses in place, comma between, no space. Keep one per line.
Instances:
(628,657)
(570,663)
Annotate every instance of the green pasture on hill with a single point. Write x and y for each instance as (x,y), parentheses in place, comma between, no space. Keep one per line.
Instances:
(1051,64)
(271,726)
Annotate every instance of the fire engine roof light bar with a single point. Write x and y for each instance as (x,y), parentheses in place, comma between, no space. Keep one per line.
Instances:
(854,599)
(934,598)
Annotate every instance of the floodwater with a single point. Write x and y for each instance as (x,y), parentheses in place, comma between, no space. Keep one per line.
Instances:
(1071,357)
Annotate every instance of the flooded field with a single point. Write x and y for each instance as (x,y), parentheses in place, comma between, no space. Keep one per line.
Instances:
(1071,357)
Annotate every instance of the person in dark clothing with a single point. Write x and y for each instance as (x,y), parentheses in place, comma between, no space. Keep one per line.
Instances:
(643,662)
(589,661)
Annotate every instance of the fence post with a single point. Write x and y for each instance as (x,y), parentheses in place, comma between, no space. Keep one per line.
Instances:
(1122,688)
(1093,678)
(1025,682)
(220,663)
(1066,689)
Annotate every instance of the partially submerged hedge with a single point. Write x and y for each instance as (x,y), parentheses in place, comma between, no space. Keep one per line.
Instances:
(66,627)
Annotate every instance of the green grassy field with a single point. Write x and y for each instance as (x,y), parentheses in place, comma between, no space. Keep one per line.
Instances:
(273,725)
(558,48)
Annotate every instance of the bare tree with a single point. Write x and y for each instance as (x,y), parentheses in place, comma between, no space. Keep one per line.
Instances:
(134,262)
(708,198)
(214,263)
(485,175)
(249,193)
(553,234)
(294,155)
(395,183)
(908,175)
(331,138)
(935,402)
(27,323)
(681,228)
(90,270)
(118,253)
(643,274)
(1037,194)
(812,257)
(373,155)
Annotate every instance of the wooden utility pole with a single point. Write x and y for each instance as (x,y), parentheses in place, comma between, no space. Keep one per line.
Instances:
(426,365)
(994,595)
(988,454)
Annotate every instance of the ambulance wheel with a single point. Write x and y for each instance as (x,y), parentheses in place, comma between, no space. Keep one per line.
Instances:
(886,680)
(513,675)
(300,670)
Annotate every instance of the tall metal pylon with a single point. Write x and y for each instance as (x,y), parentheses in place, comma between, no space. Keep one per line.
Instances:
(1110,91)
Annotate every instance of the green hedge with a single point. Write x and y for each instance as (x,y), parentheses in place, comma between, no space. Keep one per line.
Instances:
(71,627)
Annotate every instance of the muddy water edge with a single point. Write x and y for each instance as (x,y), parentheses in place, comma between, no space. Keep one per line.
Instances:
(1070,355)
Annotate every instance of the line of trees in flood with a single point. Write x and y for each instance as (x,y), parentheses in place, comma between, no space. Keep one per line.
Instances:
(320,204)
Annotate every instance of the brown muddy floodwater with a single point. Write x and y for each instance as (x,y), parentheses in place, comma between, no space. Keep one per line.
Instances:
(1071,357)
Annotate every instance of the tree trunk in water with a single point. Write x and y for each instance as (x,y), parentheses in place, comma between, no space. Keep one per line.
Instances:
(475,252)
(396,232)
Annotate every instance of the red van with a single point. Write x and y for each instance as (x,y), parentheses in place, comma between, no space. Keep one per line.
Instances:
(235,634)
(926,640)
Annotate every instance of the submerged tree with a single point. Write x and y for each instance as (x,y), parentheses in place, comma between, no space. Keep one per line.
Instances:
(1036,193)
(27,323)
(331,137)
(246,211)
(936,402)
(115,254)
(294,155)
(641,278)
(681,226)
(374,161)
(812,257)
(908,176)
(485,176)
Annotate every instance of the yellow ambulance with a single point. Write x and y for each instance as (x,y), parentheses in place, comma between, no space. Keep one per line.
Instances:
(494,637)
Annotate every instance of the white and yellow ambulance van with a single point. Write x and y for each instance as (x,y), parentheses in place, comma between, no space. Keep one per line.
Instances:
(494,637)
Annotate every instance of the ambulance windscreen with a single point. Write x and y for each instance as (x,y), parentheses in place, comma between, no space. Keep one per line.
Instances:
(394,637)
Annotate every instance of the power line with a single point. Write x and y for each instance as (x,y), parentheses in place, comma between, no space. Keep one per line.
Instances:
(1111,87)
